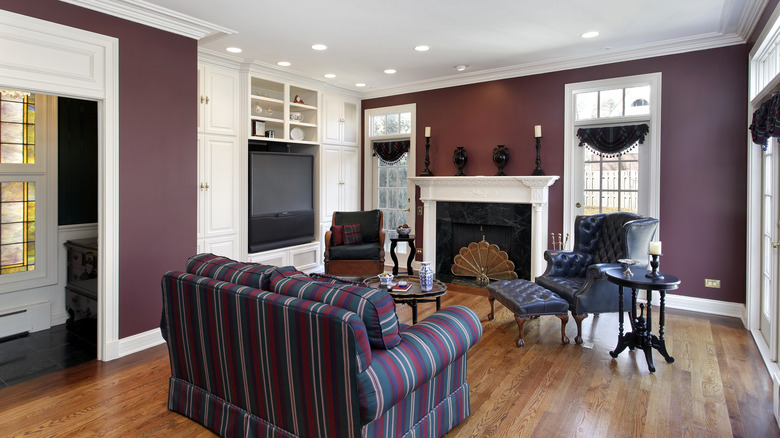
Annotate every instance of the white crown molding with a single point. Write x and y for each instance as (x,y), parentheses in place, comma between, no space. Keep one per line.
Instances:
(664,48)
(749,19)
(155,16)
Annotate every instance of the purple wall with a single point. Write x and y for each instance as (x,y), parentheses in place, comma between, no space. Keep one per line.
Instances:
(157,153)
(703,156)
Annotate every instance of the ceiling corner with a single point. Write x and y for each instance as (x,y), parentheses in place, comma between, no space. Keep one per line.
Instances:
(145,13)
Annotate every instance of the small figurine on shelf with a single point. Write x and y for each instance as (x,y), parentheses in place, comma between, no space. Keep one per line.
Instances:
(298,100)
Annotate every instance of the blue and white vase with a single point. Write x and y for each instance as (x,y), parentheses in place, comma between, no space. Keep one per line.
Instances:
(426,277)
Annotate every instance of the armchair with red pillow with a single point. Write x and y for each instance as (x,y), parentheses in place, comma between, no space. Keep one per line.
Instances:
(354,245)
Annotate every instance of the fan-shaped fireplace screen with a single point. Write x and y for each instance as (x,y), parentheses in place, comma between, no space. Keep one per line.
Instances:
(484,261)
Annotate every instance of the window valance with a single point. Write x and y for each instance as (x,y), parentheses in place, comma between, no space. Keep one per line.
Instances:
(391,151)
(613,140)
(766,121)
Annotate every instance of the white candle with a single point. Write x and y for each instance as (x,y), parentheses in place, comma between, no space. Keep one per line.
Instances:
(655,248)
(538,131)
(427,131)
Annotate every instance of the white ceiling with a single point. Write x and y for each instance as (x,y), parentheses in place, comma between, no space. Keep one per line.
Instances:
(492,37)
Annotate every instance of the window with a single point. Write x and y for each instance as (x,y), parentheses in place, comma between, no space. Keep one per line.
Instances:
(390,189)
(626,178)
(28,127)
(17,198)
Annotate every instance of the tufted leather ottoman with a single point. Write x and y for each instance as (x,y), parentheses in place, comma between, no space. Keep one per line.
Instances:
(528,300)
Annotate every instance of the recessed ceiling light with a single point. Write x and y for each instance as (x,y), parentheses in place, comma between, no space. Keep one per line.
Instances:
(591,34)
(283,64)
(233,50)
(390,71)
(422,48)
(360,84)
(461,67)
(319,47)
(330,75)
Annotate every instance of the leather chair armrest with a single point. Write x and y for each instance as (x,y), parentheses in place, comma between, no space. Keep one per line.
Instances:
(566,263)
(597,271)
(328,240)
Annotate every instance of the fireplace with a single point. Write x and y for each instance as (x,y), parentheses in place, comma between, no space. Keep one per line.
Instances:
(531,191)
(459,223)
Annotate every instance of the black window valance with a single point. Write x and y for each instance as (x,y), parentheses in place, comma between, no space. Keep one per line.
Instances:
(613,140)
(391,151)
(766,121)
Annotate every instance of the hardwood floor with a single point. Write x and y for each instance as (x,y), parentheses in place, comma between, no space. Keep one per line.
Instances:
(717,386)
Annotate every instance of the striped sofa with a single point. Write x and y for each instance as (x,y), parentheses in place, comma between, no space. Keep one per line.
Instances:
(270,351)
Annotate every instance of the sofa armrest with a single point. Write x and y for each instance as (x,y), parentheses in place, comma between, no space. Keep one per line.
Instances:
(426,349)
(566,263)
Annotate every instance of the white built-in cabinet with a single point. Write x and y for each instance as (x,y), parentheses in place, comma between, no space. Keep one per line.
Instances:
(340,189)
(218,160)
(217,100)
(341,119)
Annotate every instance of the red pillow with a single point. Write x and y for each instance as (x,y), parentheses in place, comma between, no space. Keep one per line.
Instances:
(337,232)
(352,234)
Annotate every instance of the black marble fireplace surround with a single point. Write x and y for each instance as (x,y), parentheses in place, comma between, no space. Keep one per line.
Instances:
(460,223)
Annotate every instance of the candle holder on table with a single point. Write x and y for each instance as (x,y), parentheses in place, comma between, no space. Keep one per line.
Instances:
(654,265)
(538,171)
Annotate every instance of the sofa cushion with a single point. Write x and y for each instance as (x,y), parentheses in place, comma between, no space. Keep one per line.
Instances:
(352,234)
(361,251)
(375,307)
(225,269)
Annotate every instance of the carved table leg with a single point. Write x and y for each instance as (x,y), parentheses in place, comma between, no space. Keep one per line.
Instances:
(520,321)
(491,315)
(578,319)
(564,319)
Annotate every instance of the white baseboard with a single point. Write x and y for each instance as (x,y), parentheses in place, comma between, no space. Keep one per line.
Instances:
(139,342)
(701,305)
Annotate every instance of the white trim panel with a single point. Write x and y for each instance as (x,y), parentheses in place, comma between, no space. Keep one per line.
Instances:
(139,342)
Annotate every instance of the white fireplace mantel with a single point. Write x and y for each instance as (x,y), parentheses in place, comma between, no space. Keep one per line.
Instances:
(502,189)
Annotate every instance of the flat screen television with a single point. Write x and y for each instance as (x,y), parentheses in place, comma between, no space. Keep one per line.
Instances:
(281,200)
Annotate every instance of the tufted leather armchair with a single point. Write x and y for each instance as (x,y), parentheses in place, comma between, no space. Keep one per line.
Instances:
(578,276)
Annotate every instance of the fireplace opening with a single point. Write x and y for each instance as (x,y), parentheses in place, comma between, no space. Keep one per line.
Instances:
(459,223)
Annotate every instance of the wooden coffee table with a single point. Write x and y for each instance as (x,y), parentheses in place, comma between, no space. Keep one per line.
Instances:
(413,295)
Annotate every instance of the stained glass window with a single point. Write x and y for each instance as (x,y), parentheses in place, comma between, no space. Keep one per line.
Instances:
(17,198)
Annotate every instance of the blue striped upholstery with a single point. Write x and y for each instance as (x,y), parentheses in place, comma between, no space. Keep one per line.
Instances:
(247,362)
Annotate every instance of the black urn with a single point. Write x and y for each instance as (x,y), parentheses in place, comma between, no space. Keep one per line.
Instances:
(459,158)
(500,157)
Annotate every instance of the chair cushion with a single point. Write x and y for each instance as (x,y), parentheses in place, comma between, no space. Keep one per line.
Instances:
(337,234)
(225,269)
(352,234)
(368,220)
(361,251)
(564,287)
(374,306)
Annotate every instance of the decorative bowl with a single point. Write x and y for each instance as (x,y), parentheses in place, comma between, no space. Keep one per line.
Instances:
(403,230)
(385,279)
(296,116)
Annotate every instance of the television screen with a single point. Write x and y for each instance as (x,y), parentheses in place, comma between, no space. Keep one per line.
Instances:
(280,183)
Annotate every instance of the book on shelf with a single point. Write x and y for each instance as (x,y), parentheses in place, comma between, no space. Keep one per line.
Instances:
(400,288)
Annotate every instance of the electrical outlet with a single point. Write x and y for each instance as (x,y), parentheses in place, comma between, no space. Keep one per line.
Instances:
(419,250)
(419,211)
(711,283)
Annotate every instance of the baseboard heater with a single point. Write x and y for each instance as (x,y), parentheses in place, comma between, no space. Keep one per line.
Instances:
(20,321)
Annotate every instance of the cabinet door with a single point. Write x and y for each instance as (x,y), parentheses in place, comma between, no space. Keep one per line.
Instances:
(201,98)
(333,118)
(350,123)
(350,188)
(221,102)
(331,181)
(200,187)
(225,246)
(220,197)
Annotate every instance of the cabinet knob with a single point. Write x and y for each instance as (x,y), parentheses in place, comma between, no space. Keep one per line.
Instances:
(207,186)
(207,100)
(201,99)
(202,187)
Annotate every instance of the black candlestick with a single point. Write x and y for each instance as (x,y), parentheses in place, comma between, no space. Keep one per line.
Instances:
(427,172)
(538,170)
(654,265)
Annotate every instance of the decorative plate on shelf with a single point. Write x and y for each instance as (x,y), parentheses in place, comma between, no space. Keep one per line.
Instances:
(296,134)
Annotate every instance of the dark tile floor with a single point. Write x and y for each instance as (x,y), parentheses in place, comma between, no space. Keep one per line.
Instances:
(47,351)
